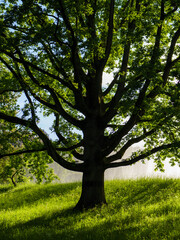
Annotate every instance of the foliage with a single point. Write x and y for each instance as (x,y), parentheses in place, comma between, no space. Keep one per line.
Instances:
(138,209)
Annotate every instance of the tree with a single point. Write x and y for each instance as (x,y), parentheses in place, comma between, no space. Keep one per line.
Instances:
(55,53)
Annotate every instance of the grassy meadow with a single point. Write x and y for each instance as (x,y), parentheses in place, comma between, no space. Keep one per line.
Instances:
(137,209)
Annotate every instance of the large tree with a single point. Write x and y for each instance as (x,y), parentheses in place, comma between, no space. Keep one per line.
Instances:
(55,53)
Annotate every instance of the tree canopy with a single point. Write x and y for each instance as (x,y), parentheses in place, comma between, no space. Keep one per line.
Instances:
(55,54)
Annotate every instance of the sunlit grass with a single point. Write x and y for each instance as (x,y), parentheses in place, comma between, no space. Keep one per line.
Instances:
(137,209)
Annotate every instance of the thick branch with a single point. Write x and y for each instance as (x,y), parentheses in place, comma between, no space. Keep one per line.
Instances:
(51,150)
(120,89)
(65,149)
(15,120)
(64,114)
(120,153)
(169,62)
(116,138)
(20,79)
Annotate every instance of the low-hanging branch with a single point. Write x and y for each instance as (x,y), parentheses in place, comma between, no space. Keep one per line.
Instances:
(130,161)
(51,150)
(129,143)
(23,151)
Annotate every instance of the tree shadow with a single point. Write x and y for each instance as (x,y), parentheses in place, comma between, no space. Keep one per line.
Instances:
(144,192)
(5,188)
(62,224)
(34,193)
(57,227)
(32,227)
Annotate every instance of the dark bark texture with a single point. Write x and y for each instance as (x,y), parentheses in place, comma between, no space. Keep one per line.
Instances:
(92,189)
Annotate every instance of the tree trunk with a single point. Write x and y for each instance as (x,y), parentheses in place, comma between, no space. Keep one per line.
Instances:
(93,175)
(92,189)
(13,181)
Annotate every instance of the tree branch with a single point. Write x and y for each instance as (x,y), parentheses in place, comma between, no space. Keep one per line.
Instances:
(54,61)
(130,161)
(111,85)
(51,150)
(117,136)
(109,35)
(65,149)
(26,94)
(169,62)
(35,67)
(22,83)
(132,141)
(58,107)
(11,90)
(15,120)
(65,142)
(22,152)
(122,73)
(78,71)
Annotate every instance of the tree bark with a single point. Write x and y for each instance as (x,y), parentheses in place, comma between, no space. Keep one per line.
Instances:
(92,188)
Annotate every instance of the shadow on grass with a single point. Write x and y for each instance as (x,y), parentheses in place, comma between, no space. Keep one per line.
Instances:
(39,227)
(33,193)
(5,188)
(143,192)
(111,224)
(57,226)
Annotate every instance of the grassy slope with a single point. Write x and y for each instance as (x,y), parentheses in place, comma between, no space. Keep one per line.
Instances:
(137,209)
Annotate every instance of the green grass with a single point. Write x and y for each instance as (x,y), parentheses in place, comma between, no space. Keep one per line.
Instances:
(137,209)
